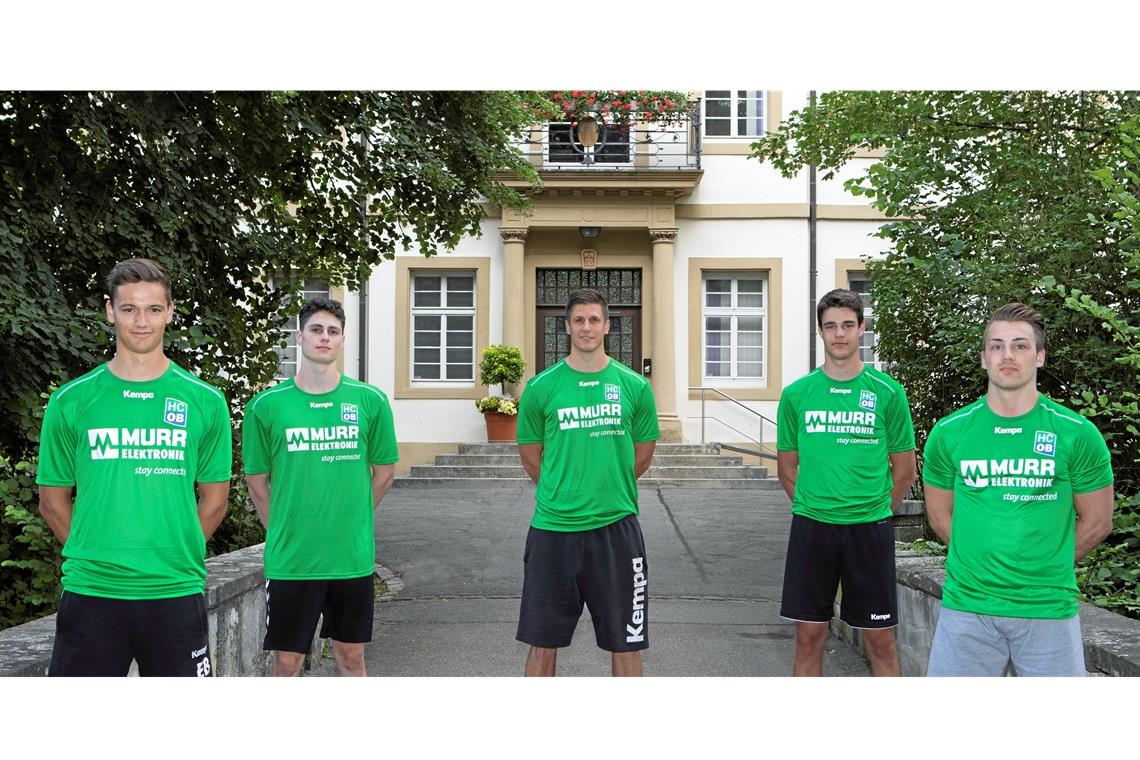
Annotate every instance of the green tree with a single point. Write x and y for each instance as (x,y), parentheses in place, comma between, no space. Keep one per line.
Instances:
(229,191)
(996,197)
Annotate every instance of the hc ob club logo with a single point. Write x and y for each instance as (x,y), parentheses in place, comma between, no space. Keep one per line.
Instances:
(349,413)
(1045,443)
(867,400)
(613,392)
(175,412)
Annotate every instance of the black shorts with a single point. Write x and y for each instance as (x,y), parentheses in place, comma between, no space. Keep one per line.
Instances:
(98,636)
(292,609)
(861,556)
(604,568)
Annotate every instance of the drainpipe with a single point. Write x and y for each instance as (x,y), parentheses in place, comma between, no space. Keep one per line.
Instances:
(362,319)
(812,251)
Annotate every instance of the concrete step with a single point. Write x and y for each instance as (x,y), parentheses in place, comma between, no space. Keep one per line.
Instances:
(667,449)
(679,460)
(758,484)
(516,471)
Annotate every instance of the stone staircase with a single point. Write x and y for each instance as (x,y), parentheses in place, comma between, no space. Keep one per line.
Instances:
(676,465)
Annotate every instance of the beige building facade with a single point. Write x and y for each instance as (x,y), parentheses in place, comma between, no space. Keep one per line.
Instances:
(705,255)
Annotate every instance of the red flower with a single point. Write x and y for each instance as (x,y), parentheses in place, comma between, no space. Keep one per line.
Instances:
(590,100)
(576,93)
(566,105)
(616,102)
(626,107)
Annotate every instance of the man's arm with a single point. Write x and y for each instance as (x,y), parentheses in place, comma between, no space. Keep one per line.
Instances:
(383,475)
(787,470)
(903,471)
(642,457)
(212,505)
(55,507)
(258,488)
(939,511)
(1094,519)
(531,455)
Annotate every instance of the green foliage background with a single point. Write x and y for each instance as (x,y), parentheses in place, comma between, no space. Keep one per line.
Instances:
(996,197)
(226,190)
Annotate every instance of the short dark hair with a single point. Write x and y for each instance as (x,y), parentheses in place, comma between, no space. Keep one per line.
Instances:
(840,298)
(137,270)
(320,303)
(585,296)
(1019,312)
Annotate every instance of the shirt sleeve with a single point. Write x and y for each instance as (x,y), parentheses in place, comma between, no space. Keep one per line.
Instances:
(57,448)
(787,425)
(645,425)
(900,426)
(1090,466)
(254,443)
(216,448)
(531,426)
(937,465)
(382,446)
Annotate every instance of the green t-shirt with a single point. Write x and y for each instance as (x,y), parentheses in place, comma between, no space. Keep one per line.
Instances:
(587,423)
(134,450)
(319,450)
(844,432)
(1013,526)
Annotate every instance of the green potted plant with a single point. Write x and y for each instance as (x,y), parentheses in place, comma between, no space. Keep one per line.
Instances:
(503,366)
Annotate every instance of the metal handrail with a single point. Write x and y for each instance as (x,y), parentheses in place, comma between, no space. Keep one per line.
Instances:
(763,419)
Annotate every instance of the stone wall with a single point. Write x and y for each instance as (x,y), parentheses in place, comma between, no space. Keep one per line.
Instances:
(235,598)
(1112,642)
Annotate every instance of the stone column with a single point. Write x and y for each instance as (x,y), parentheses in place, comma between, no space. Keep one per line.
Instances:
(514,324)
(664,372)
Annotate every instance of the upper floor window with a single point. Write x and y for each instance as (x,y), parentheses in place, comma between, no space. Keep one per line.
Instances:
(290,358)
(735,315)
(734,113)
(443,326)
(860,283)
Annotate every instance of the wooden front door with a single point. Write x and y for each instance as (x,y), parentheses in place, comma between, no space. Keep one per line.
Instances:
(622,290)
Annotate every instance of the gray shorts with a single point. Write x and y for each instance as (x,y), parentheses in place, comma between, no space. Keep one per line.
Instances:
(966,644)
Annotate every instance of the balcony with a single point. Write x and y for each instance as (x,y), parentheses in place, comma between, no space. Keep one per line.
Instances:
(631,147)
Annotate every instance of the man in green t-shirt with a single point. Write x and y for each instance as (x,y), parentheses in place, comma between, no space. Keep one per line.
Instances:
(1020,489)
(845,453)
(586,431)
(133,437)
(319,453)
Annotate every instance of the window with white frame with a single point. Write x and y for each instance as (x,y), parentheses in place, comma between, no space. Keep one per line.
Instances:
(734,113)
(860,284)
(289,357)
(443,327)
(734,318)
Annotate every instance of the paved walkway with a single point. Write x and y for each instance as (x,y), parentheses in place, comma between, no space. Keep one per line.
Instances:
(716,565)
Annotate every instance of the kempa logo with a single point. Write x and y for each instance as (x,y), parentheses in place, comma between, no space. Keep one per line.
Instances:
(137,395)
(636,634)
(589,383)
(1008,473)
(880,616)
(320,405)
(136,443)
(842,391)
(1006,431)
(322,439)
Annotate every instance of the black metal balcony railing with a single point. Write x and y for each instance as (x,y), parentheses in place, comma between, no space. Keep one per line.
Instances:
(622,147)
